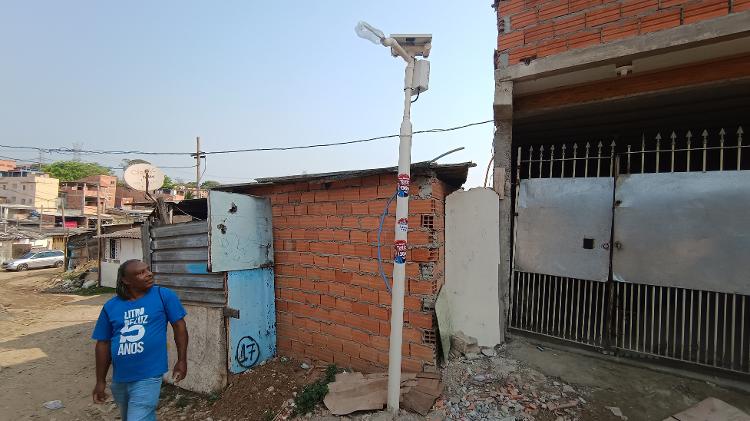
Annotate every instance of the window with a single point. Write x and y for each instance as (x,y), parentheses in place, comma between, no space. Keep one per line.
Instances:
(23,201)
(23,187)
(5,187)
(114,248)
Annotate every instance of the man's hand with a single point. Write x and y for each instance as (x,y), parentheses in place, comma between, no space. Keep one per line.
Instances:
(99,394)
(180,371)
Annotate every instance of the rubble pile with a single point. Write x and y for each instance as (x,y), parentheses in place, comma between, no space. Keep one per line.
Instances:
(489,386)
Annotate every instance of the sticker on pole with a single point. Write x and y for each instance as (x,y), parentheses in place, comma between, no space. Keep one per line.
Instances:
(403,185)
(400,247)
(403,225)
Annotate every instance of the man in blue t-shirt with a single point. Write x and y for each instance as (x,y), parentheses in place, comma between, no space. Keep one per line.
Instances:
(131,334)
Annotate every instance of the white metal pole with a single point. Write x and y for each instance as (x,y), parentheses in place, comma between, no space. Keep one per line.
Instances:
(400,246)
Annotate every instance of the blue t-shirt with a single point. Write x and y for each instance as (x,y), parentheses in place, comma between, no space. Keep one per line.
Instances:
(138,332)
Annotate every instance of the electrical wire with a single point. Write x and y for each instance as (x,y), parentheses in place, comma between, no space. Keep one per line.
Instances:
(417,98)
(380,231)
(267,149)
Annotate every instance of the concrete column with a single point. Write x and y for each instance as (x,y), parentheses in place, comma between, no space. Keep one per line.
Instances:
(503,110)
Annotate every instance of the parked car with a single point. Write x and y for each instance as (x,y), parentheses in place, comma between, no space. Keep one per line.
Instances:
(36,259)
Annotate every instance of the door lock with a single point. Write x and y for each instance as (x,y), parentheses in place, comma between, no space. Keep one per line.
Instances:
(605,246)
(618,245)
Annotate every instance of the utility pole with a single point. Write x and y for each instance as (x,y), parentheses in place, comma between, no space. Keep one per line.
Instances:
(198,167)
(98,211)
(41,217)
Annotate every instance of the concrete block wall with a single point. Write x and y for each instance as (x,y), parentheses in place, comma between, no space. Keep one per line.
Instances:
(331,303)
(530,29)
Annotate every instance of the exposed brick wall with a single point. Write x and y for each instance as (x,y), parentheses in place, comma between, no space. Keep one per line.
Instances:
(541,28)
(331,303)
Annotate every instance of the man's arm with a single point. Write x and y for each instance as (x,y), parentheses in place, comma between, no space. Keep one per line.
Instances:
(103,360)
(181,341)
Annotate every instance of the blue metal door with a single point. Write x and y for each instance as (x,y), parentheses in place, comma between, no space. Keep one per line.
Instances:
(252,335)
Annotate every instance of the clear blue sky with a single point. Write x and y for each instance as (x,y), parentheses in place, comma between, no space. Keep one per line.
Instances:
(154,75)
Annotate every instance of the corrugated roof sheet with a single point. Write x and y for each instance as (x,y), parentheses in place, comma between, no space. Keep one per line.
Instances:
(453,174)
(134,233)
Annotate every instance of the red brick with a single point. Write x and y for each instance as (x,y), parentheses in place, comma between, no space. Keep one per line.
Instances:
(369,295)
(360,337)
(307,197)
(328,208)
(638,7)
(376,207)
(320,354)
(287,282)
(511,7)
(412,303)
(379,342)
(368,193)
(361,308)
(504,41)
(320,260)
(521,54)
(306,259)
(706,9)
(620,30)
(351,193)
(412,335)
(523,20)
(358,236)
(553,10)
(419,319)
(337,290)
(379,313)
(351,264)
(668,4)
(333,222)
(368,354)
(430,205)
(327,301)
(578,5)
(348,249)
(552,47)
(361,322)
(353,292)
(345,277)
(370,222)
(359,208)
(341,359)
(531,34)
(422,352)
(740,5)
(343,305)
(351,348)
(603,15)
(584,39)
(660,20)
(321,196)
(385,328)
(326,248)
(386,191)
(335,195)
(409,365)
(336,316)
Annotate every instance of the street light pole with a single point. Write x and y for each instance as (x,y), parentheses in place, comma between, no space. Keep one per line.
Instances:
(370,33)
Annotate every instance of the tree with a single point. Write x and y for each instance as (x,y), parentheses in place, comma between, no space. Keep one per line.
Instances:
(209,184)
(168,183)
(74,170)
(128,162)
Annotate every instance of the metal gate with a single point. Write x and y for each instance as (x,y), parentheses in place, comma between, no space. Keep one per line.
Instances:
(639,249)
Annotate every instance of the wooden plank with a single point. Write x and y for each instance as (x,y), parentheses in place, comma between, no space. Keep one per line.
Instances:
(184,254)
(174,230)
(190,281)
(182,267)
(199,240)
(205,296)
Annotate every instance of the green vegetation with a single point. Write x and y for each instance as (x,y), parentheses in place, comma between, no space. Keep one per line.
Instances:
(95,291)
(74,170)
(168,183)
(313,393)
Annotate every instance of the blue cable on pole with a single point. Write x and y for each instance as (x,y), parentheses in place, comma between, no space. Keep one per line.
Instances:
(380,231)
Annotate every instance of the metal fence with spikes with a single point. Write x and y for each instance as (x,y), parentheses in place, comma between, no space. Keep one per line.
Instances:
(700,327)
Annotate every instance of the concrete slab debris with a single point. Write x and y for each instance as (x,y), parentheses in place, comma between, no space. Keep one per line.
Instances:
(710,409)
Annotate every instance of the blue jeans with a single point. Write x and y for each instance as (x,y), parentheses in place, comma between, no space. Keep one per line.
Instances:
(137,400)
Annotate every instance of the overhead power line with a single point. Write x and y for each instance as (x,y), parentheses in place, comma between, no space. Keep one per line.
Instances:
(267,149)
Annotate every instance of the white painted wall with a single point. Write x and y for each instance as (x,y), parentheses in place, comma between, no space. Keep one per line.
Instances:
(207,350)
(469,300)
(127,248)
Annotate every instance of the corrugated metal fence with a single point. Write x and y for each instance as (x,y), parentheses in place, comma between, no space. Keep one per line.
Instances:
(178,255)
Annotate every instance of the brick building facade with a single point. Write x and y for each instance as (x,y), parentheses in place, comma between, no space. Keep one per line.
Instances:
(614,79)
(530,30)
(331,303)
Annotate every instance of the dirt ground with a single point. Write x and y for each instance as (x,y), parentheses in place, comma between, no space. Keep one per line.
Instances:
(45,350)
(641,393)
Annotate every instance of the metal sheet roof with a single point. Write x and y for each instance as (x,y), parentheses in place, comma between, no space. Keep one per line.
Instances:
(134,233)
(453,174)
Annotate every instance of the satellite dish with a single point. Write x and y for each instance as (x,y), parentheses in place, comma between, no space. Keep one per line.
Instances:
(143,177)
